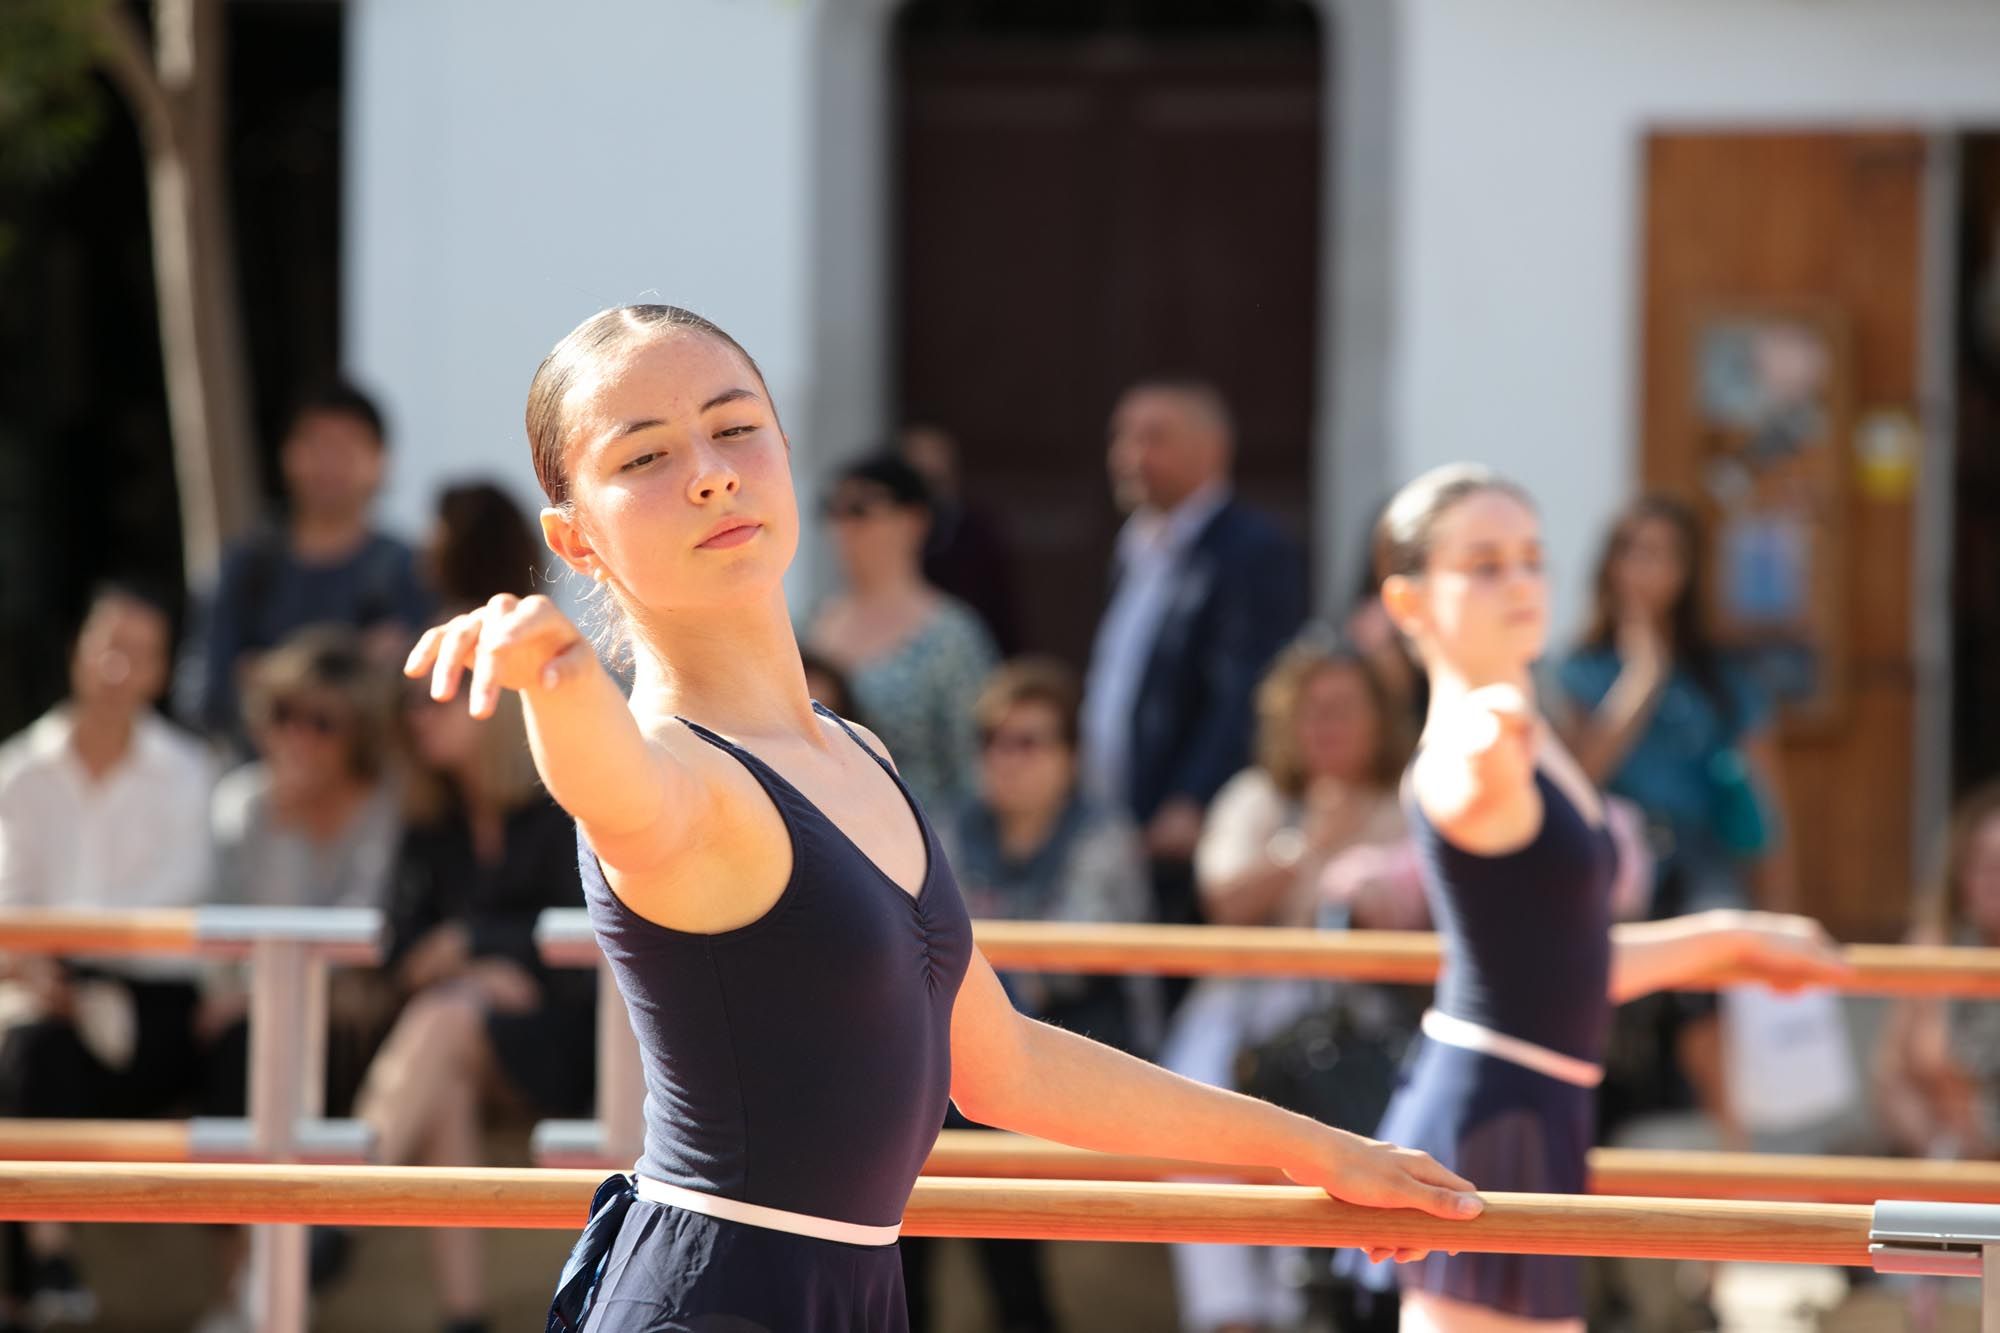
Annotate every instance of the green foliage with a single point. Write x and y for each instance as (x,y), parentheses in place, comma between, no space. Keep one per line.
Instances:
(51,104)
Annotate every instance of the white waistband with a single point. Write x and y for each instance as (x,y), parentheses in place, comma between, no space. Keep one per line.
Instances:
(1442,1027)
(757,1215)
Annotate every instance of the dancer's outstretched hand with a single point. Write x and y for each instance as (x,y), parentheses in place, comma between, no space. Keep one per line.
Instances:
(1381,1175)
(513,643)
(1786,952)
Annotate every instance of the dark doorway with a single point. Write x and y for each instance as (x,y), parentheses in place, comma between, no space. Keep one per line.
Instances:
(87,485)
(1090,194)
(1976,535)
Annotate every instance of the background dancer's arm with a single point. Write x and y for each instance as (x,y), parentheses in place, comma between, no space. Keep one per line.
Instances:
(1786,952)
(628,792)
(1011,1072)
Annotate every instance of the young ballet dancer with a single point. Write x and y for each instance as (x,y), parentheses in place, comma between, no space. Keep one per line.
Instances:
(791,945)
(1518,867)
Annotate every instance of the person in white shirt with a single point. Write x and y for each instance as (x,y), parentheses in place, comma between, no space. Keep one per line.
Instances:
(102,805)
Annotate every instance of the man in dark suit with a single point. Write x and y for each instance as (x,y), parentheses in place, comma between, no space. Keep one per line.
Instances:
(1204,592)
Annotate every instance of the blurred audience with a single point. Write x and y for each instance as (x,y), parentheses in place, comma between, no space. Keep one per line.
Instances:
(484,852)
(1659,715)
(828,687)
(966,552)
(1937,1072)
(1656,714)
(312,822)
(102,805)
(480,546)
(913,656)
(1032,846)
(1331,745)
(322,563)
(1204,592)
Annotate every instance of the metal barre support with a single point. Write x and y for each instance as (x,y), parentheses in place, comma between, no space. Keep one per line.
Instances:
(1941,1240)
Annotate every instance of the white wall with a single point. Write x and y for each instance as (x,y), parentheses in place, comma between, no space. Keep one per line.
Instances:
(1520,123)
(515,165)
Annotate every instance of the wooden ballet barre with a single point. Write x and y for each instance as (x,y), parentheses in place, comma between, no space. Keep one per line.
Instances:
(949,1206)
(335,934)
(1399,956)
(289,951)
(1410,957)
(220,1139)
(1651,1173)
(1666,1173)
(163,930)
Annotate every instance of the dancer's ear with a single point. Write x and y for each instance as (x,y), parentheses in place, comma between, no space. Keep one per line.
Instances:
(566,537)
(1403,600)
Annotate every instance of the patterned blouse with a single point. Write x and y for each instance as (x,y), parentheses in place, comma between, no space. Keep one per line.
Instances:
(918,698)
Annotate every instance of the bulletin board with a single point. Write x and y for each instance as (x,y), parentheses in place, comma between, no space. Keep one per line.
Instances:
(1771,419)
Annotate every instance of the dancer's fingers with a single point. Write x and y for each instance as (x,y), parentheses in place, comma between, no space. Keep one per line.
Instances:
(461,637)
(421,656)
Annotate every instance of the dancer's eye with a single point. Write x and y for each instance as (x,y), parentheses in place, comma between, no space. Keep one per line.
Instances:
(639,462)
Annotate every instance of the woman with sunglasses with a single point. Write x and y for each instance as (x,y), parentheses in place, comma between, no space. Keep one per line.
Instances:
(1030,845)
(313,820)
(1331,745)
(773,904)
(913,656)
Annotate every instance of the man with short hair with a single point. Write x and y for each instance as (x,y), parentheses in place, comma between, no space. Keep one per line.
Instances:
(1205,591)
(324,563)
(102,805)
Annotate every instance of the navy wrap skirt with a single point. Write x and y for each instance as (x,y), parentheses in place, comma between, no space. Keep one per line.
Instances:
(1504,1128)
(645,1267)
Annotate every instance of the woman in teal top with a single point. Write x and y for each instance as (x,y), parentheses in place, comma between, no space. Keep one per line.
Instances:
(1656,715)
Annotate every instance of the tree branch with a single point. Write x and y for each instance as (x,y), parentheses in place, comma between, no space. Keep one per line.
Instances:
(130,68)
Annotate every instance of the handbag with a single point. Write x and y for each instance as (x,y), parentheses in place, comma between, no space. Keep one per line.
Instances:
(1337,1065)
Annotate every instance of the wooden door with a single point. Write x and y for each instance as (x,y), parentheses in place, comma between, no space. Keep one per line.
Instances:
(1074,215)
(1829,225)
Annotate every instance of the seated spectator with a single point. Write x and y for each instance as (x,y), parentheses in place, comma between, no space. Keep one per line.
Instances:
(312,822)
(1031,846)
(485,851)
(1331,745)
(914,657)
(102,805)
(323,564)
(1937,1074)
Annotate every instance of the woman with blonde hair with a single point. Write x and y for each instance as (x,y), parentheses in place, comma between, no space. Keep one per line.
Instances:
(1330,746)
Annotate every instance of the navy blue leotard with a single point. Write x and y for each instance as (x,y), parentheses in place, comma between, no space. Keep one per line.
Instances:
(801,1062)
(1527,954)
